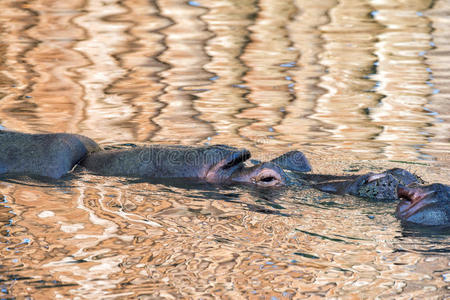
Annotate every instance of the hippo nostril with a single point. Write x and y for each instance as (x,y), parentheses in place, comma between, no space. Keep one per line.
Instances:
(267,179)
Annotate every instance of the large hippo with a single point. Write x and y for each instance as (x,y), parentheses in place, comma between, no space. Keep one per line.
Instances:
(215,164)
(51,155)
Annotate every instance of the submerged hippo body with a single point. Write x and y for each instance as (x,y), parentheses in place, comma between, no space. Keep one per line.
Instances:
(50,155)
(215,164)
(418,203)
(425,205)
(381,187)
(53,155)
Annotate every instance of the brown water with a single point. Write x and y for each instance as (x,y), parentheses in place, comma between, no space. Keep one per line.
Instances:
(357,85)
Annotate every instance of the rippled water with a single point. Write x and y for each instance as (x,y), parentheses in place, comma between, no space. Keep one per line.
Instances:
(357,85)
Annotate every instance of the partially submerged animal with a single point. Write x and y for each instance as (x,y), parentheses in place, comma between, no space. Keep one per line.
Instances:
(54,155)
(215,164)
(418,203)
(424,205)
(51,155)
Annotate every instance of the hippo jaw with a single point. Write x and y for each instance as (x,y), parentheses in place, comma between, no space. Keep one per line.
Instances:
(263,175)
(425,205)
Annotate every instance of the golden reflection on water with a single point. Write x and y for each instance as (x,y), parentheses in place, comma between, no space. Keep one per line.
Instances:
(343,80)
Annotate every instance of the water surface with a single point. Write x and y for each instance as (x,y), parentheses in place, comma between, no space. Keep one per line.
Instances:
(357,85)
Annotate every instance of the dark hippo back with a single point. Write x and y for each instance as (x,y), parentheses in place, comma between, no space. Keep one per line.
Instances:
(50,155)
(164,161)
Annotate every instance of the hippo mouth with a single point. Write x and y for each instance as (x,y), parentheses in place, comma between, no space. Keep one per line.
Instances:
(412,201)
(226,167)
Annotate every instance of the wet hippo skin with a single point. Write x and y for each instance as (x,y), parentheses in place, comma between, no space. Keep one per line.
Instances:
(381,187)
(215,164)
(418,203)
(425,205)
(51,155)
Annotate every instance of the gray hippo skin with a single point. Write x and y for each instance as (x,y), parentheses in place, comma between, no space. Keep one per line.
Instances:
(215,164)
(419,204)
(50,155)
(381,187)
(424,205)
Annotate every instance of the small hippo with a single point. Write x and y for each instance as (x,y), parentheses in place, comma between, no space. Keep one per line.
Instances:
(419,204)
(380,187)
(51,155)
(215,164)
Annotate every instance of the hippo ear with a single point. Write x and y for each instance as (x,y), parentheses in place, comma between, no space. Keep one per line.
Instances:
(294,161)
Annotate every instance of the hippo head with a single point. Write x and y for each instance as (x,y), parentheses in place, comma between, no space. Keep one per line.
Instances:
(382,186)
(424,205)
(232,169)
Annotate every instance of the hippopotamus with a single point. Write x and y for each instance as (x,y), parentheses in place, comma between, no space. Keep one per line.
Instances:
(214,164)
(50,155)
(424,205)
(53,155)
(418,203)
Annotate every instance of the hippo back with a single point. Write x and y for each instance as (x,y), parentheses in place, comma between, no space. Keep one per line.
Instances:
(50,155)
(158,161)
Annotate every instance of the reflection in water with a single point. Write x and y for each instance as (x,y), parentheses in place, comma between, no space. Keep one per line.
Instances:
(186,57)
(345,80)
(438,79)
(267,57)
(402,78)
(349,39)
